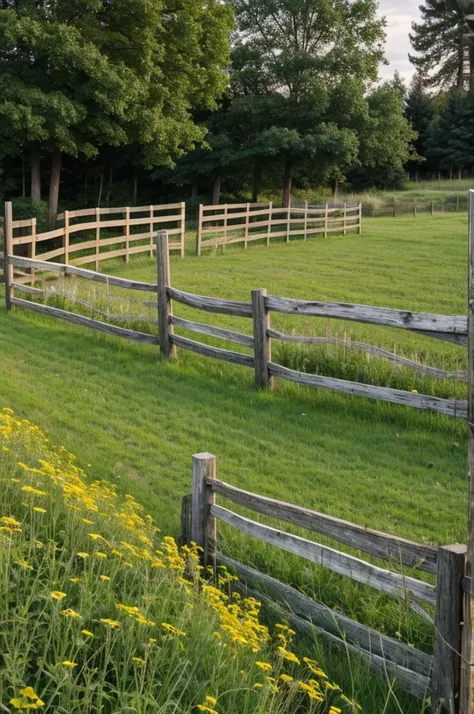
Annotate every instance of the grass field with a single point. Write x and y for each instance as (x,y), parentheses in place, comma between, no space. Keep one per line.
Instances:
(137,420)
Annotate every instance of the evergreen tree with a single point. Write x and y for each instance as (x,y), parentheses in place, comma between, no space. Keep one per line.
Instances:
(451,140)
(445,56)
(419,112)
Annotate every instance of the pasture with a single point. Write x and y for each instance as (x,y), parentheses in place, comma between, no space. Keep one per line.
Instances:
(136,419)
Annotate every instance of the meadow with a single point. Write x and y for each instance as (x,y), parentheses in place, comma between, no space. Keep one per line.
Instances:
(137,420)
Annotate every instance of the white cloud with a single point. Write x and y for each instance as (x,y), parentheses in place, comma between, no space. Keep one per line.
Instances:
(399,20)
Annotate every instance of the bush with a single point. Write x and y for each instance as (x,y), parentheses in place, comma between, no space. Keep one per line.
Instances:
(24,208)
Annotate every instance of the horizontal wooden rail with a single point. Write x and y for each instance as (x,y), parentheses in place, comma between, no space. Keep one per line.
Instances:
(211,304)
(86,321)
(381,545)
(416,684)
(121,209)
(452,407)
(371,350)
(216,352)
(329,622)
(347,565)
(82,273)
(220,332)
(422,322)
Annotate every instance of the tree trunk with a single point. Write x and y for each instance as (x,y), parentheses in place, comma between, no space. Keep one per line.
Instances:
(35,176)
(460,173)
(257,175)
(23,178)
(216,190)
(336,190)
(460,72)
(135,189)
(194,190)
(471,69)
(99,197)
(54,188)
(109,189)
(287,178)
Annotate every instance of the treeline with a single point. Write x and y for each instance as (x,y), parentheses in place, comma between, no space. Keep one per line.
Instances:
(115,102)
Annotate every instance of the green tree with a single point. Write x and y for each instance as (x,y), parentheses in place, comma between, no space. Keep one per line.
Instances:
(445,56)
(451,140)
(419,112)
(299,54)
(75,76)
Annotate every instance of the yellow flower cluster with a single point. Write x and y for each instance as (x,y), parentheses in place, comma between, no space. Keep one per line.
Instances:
(123,536)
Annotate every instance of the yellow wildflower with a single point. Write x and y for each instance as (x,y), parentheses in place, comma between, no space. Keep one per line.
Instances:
(104,578)
(99,554)
(39,510)
(34,491)
(265,666)
(83,555)
(174,630)
(87,633)
(28,699)
(70,665)
(58,595)
(138,660)
(69,612)
(286,678)
(111,623)
(75,580)
(286,654)
(23,564)
(9,521)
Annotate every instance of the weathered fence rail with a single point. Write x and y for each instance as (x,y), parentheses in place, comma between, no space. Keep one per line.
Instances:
(452,328)
(88,239)
(227,224)
(422,674)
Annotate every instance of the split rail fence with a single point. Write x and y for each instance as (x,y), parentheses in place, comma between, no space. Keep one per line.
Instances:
(421,674)
(99,227)
(451,328)
(225,224)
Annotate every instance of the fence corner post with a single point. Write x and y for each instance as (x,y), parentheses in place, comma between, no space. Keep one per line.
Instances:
(203,524)
(165,306)
(262,342)
(448,619)
(8,250)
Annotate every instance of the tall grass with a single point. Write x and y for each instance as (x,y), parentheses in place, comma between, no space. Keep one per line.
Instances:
(100,612)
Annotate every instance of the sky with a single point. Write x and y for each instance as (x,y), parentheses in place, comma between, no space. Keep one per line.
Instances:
(399,14)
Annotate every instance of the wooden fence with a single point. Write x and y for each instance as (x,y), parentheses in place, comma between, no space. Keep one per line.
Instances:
(436,675)
(451,328)
(90,235)
(247,222)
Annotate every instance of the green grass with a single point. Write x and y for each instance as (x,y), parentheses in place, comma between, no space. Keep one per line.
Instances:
(138,420)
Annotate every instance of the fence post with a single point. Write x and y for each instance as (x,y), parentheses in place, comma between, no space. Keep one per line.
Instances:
(326,221)
(467,671)
(97,238)
(246,229)
(225,227)
(127,234)
(165,306)
(151,231)
(263,343)
(414,209)
(270,219)
(203,525)
(32,250)
(360,219)
(199,229)
(305,219)
(432,207)
(8,250)
(344,213)
(448,618)
(288,224)
(183,227)
(66,237)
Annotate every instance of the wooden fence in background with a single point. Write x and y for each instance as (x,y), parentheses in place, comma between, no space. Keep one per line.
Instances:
(421,674)
(451,328)
(246,222)
(90,235)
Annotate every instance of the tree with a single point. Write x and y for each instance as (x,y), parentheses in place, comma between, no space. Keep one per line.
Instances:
(419,112)
(298,54)
(446,57)
(75,76)
(451,140)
